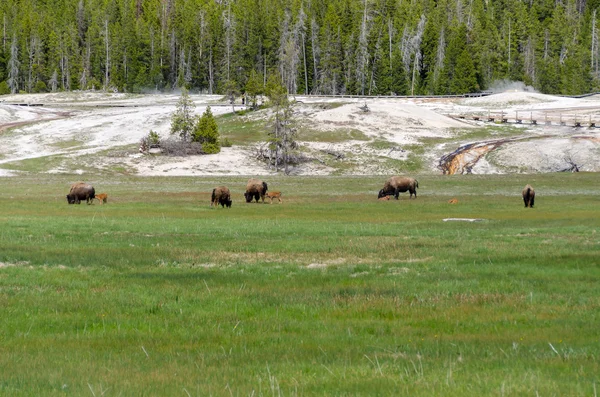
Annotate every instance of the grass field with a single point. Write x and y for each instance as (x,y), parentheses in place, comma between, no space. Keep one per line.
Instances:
(330,293)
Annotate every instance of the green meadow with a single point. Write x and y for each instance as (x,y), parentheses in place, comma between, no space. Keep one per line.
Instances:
(330,293)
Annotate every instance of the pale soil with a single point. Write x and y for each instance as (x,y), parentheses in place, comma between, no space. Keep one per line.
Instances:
(101,131)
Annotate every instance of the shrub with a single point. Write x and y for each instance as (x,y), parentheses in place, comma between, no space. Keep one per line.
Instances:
(149,141)
(4,88)
(210,148)
(226,143)
(176,147)
(40,86)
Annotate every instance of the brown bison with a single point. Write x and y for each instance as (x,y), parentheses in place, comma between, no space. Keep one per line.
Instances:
(102,198)
(397,184)
(274,195)
(221,195)
(255,189)
(528,196)
(81,191)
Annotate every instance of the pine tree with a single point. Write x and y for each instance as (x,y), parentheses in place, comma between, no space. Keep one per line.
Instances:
(206,131)
(182,121)
(254,88)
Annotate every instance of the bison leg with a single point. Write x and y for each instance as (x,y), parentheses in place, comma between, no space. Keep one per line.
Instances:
(396,193)
(531,202)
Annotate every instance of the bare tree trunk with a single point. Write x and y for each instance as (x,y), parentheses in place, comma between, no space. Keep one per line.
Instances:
(390,35)
(13,66)
(305,70)
(107,66)
(210,72)
(594,50)
(315,52)
(228,25)
(509,33)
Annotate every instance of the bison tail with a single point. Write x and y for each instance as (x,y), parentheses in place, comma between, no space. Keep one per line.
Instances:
(416,183)
(265,187)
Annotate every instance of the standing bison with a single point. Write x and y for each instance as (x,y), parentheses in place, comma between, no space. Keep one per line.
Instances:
(397,184)
(528,196)
(255,188)
(81,191)
(221,195)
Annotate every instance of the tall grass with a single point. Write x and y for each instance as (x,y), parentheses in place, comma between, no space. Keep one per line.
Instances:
(330,293)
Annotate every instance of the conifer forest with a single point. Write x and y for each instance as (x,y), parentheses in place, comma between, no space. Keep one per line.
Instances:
(360,47)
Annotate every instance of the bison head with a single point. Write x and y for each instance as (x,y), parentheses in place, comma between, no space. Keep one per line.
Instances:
(248,197)
(70,199)
(381,194)
(228,203)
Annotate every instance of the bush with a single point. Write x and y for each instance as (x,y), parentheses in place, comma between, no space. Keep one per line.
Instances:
(4,88)
(149,141)
(226,143)
(176,147)
(40,86)
(211,148)
(153,138)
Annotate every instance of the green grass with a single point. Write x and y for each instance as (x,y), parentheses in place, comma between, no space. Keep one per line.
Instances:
(242,129)
(37,164)
(330,293)
(67,144)
(487,132)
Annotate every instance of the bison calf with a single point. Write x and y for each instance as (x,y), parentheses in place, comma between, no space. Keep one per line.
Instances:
(528,196)
(221,195)
(102,198)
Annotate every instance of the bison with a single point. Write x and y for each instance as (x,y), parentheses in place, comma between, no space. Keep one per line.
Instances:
(274,195)
(81,191)
(102,198)
(221,195)
(528,196)
(255,188)
(397,184)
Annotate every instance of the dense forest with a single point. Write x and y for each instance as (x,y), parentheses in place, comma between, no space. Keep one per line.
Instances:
(367,47)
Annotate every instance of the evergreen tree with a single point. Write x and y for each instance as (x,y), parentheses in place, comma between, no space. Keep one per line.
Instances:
(254,88)
(206,131)
(182,120)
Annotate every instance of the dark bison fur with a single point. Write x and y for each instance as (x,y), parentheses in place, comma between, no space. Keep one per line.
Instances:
(221,195)
(396,185)
(255,189)
(81,191)
(528,196)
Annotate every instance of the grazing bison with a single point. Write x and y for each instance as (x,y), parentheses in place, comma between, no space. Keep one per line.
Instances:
(81,191)
(397,184)
(221,195)
(255,189)
(528,196)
